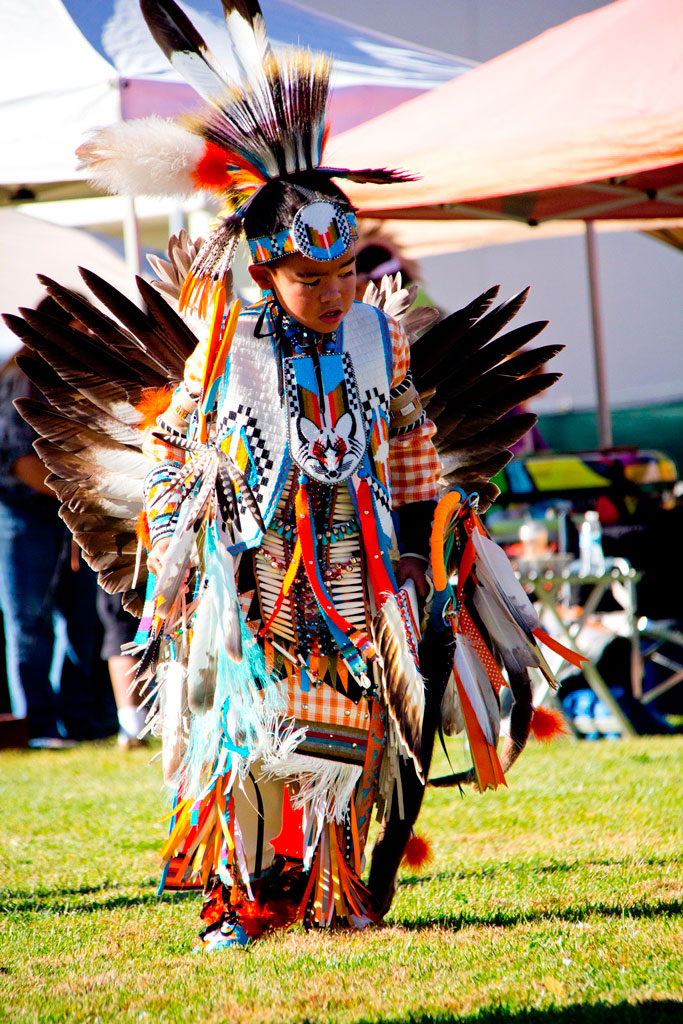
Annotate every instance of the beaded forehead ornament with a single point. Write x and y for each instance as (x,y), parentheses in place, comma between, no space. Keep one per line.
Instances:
(321,230)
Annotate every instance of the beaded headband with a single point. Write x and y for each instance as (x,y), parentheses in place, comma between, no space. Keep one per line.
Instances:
(322,230)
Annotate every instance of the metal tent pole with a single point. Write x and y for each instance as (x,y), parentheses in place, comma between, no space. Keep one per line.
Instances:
(131,237)
(131,228)
(604,418)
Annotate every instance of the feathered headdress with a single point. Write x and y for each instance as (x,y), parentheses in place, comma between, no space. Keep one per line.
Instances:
(269,124)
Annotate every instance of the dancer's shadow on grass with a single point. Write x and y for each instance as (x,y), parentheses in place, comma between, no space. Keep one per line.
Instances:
(508,919)
(532,867)
(66,899)
(666,1011)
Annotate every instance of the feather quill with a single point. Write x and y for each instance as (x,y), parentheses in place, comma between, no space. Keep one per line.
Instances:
(480,693)
(402,684)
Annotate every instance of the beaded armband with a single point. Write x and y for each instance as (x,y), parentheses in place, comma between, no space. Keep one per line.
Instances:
(176,418)
(162,500)
(406,410)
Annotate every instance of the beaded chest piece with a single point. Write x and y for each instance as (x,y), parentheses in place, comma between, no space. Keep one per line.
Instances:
(329,414)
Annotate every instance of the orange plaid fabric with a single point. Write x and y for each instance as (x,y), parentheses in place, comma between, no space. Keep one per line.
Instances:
(414,464)
(324,705)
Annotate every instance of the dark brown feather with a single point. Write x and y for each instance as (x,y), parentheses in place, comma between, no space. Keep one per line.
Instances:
(69,435)
(492,401)
(166,352)
(468,341)
(436,344)
(65,399)
(88,348)
(463,373)
(112,338)
(499,349)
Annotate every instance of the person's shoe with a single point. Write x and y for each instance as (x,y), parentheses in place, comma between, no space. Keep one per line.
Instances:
(51,743)
(128,742)
(228,935)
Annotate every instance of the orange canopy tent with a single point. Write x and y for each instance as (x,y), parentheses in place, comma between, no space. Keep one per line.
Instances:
(583,122)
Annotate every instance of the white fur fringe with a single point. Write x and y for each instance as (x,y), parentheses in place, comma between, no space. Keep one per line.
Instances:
(151,156)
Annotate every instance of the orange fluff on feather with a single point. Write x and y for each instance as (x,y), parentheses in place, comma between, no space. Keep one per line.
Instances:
(546,724)
(142,530)
(417,852)
(153,402)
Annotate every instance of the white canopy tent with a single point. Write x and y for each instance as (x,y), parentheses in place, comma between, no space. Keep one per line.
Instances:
(30,245)
(67,66)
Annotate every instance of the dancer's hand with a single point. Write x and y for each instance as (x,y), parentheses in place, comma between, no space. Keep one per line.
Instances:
(155,559)
(410,567)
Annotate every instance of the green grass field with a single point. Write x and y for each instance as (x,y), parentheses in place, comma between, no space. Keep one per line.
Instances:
(558,900)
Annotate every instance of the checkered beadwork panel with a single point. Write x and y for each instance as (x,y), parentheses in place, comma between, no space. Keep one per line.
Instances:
(374,399)
(350,373)
(290,384)
(381,497)
(242,417)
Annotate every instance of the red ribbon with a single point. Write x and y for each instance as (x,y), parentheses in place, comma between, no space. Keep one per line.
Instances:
(380,580)
(565,652)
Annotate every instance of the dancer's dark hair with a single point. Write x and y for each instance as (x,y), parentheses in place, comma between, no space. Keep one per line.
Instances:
(277,203)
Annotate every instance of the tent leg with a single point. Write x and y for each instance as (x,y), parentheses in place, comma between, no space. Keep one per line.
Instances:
(131,238)
(177,221)
(604,418)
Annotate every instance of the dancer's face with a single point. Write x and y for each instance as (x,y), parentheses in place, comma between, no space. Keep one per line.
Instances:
(317,294)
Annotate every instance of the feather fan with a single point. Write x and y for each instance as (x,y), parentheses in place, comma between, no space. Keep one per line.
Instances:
(472,382)
(91,431)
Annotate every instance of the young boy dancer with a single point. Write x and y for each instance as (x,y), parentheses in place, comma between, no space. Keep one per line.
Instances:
(290,482)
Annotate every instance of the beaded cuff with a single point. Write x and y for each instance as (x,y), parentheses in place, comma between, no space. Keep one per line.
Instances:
(162,500)
(407,413)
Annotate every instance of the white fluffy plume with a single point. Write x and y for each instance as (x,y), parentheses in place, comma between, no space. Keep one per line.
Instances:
(151,156)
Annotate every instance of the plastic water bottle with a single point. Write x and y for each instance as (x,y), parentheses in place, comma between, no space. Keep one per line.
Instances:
(591,556)
(534,539)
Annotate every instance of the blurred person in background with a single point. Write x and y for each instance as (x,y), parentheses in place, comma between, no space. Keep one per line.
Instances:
(120,628)
(378,253)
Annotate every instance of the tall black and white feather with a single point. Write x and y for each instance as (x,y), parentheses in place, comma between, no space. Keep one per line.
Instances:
(185,48)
